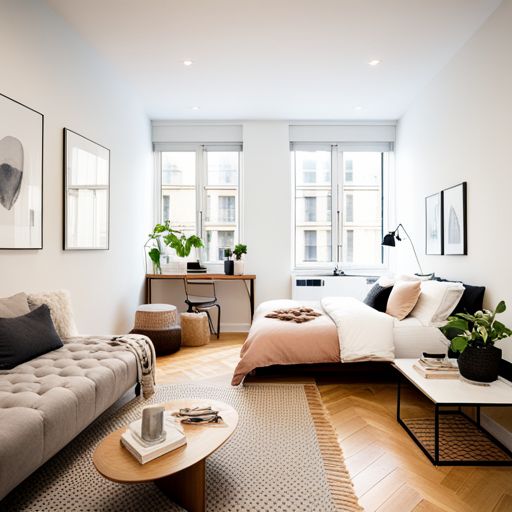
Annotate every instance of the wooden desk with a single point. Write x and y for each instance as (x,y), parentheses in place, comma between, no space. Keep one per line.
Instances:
(215,277)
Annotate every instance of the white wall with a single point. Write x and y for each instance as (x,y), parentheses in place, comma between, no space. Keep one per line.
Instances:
(459,130)
(45,65)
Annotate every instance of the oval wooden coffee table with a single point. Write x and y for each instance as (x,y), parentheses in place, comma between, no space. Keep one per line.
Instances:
(181,473)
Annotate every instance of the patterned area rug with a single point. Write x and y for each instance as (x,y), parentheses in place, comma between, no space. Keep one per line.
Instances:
(459,439)
(284,456)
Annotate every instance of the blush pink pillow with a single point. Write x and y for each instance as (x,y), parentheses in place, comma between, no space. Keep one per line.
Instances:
(403,298)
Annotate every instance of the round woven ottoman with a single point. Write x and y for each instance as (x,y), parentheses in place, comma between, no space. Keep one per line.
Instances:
(155,317)
(158,323)
(195,330)
(166,341)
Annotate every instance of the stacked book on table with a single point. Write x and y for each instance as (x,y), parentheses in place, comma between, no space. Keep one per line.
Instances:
(133,442)
(437,368)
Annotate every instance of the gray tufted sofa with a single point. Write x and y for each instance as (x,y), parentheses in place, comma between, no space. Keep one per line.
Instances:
(46,402)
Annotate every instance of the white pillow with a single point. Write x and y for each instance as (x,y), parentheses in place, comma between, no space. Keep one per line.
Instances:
(59,303)
(437,301)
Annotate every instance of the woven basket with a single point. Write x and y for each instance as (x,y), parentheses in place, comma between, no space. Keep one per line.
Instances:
(155,317)
(195,330)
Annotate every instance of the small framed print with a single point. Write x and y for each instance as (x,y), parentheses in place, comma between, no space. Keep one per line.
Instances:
(434,224)
(455,219)
(21,176)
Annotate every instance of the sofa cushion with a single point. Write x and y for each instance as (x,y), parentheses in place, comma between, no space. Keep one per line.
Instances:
(378,296)
(59,303)
(16,305)
(24,337)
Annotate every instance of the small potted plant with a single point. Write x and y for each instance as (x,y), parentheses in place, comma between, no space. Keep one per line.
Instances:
(239,251)
(175,239)
(229,264)
(475,335)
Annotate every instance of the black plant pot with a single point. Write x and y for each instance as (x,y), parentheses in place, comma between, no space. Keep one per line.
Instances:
(481,364)
(229,267)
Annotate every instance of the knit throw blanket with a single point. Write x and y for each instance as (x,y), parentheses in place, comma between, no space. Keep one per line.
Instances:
(297,315)
(143,350)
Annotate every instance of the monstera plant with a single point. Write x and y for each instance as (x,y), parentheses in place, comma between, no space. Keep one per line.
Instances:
(164,234)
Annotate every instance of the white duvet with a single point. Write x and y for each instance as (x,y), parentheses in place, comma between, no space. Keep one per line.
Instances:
(363,332)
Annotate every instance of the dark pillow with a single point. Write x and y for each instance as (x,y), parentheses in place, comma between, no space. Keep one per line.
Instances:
(377,297)
(24,337)
(472,299)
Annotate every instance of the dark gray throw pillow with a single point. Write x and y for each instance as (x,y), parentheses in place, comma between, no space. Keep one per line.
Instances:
(24,337)
(378,296)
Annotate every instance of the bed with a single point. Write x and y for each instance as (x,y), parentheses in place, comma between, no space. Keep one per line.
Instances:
(347,331)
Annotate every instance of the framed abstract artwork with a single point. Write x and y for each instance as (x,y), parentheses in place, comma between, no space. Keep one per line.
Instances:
(455,219)
(86,193)
(434,224)
(21,176)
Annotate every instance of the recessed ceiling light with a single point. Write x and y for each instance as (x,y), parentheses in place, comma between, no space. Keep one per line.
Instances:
(374,62)
(359,107)
(188,62)
(195,108)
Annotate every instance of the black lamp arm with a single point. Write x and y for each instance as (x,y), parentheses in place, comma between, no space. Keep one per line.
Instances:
(412,245)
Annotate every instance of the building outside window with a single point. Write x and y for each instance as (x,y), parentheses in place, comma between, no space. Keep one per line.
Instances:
(310,245)
(200,195)
(310,209)
(340,212)
(225,240)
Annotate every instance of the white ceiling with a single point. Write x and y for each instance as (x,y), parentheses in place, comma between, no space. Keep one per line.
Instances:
(276,59)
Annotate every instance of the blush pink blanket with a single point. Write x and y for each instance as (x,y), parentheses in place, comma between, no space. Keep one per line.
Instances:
(271,341)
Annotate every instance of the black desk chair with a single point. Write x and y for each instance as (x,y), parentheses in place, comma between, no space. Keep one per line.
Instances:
(200,301)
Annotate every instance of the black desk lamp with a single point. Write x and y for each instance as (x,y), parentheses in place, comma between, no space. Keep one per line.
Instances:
(389,241)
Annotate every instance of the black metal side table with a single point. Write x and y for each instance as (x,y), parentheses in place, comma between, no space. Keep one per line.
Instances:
(450,436)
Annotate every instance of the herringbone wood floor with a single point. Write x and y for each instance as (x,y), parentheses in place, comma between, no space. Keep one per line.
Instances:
(389,471)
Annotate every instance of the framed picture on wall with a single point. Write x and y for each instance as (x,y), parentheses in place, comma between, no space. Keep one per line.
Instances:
(86,193)
(434,224)
(21,176)
(455,219)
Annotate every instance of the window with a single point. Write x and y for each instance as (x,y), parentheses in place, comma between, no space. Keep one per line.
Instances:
(200,195)
(348,183)
(227,209)
(309,245)
(310,209)
(349,207)
(225,240)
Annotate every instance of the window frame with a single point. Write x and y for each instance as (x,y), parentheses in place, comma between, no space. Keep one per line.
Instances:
(337,202)
(201,186)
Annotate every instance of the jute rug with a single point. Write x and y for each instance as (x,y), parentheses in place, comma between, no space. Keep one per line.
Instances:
(284,457)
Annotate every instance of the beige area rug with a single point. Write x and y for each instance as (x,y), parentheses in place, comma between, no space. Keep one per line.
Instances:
(284,456)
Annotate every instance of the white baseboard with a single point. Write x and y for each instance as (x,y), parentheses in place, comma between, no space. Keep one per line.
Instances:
(234,327)
(503,435)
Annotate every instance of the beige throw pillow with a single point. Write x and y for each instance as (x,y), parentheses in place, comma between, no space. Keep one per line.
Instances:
(403,298)
(61,311)
(17,305)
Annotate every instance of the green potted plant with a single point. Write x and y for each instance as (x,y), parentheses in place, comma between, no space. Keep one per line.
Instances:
(474,337)
(239,251)
(162,235)
(229,264)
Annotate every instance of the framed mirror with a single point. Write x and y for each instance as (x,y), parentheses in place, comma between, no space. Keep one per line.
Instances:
(86,193)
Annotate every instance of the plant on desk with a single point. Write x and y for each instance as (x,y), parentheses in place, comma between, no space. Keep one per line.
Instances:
(229,264)
(162,235)
(239,251)
(475,336)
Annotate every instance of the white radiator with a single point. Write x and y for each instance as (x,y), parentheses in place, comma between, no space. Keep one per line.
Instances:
(315,287)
